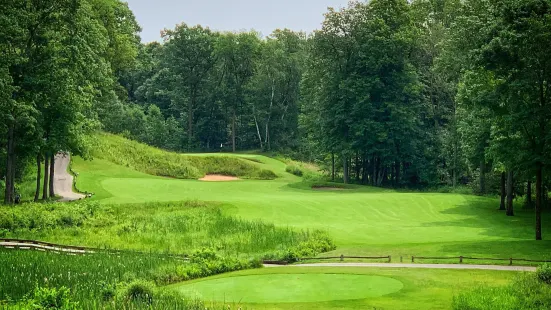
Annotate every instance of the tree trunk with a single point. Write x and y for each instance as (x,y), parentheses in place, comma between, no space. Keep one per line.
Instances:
(357,168)
(38,176)
(503,193)
(52,175)
(10,167)
(267,141)
(510,211)
(333,167)
(482,177)
(233,131)
(257,129)
(397,175)
(529,194)
(539,198)
(46,177)
(191,106)
(345,169)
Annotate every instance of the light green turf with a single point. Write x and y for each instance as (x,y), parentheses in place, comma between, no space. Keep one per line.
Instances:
(292,287)
(396,288)
(362,220)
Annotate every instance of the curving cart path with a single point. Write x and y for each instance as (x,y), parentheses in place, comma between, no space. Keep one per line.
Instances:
(63,180)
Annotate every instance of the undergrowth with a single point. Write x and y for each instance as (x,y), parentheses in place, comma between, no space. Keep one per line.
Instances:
(527,291)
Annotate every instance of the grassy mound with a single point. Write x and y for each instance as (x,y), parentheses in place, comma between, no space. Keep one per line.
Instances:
(150,160)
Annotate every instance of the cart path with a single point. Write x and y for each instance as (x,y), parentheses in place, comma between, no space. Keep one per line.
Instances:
(63,180)
(425,266)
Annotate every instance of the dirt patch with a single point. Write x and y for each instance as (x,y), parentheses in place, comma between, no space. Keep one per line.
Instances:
(218,178)
(328,188)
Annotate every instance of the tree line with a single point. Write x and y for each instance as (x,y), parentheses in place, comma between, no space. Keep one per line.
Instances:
(393,93)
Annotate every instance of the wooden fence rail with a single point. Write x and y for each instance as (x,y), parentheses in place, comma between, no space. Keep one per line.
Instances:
(24,244)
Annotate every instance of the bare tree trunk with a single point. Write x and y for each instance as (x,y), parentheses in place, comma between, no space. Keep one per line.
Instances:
(503,192)
(482,177)
(46,176)
(345,169)
(357,168)
(267,141)
(38,176)
(529,193)
(52,175)
(10,166)
(257,129)
(233,131)
(510,211)
(191,106)
(539,199)
(333,167)
(397,167)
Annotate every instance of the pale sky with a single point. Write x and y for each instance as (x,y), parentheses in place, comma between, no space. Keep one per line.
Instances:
(231,15)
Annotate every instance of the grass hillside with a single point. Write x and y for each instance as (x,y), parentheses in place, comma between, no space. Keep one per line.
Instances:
(362,220)
(150,160)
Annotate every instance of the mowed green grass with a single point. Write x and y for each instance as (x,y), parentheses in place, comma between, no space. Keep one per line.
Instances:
(362,220)
(340,288)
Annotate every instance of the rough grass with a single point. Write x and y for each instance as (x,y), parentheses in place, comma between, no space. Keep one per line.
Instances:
(179,228)
(525,292)
(99,281)
(150,160)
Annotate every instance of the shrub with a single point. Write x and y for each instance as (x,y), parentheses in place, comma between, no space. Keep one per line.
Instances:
(544,273)
(50,298)
(292,169)
(137,291)
(525,292)
(265,174)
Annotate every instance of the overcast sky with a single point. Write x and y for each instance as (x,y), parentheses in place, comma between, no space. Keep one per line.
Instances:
(230,15)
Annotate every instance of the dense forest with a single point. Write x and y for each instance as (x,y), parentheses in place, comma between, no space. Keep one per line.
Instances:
(418,94)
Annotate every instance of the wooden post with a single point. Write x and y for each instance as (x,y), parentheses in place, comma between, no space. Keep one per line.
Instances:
(389,258)
(401,259)
(510,261)
(342,257)
(461,259)
(413,259)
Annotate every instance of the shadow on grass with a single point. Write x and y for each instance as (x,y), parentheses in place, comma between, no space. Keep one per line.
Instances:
(483,213)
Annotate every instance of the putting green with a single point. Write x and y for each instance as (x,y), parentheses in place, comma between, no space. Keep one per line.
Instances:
(283,288)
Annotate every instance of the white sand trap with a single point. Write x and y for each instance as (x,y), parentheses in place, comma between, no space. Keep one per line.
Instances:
(218,178)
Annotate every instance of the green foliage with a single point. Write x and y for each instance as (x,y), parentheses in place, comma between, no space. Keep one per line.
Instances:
(44,298)
(137,291)
(544,273)
(154,161)
(294,170)
(525,292)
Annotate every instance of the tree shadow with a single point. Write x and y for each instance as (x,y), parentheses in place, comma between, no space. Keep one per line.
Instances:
(483,213)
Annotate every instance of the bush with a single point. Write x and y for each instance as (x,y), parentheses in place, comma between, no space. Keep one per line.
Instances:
(50,298)
(292,169)
(544,273)
(137,291)
(526,292)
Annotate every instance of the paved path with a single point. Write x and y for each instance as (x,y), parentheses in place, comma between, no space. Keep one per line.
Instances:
(426,266)
(63,180)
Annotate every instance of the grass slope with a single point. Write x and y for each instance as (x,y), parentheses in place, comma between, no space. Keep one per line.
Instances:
(380,289)
(147,159)
(362,220)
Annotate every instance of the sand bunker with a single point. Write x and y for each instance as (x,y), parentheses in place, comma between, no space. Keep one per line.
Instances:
(328,188)
(218,178)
